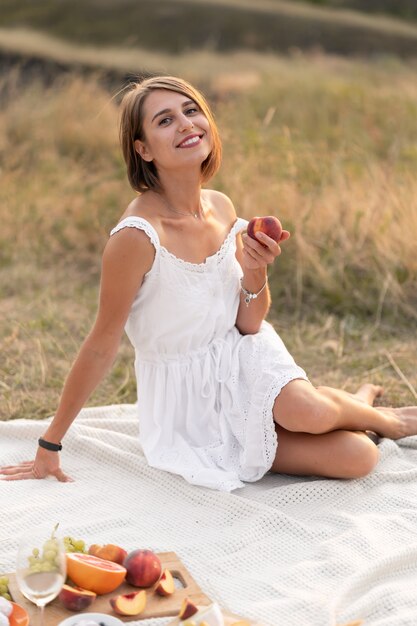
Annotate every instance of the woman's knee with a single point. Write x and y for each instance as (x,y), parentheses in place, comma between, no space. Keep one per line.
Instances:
(304,408)
(360,455)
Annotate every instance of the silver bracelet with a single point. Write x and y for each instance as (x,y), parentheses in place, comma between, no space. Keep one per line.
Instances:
(248,294)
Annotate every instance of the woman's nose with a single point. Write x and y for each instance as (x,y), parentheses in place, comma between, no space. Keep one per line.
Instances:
(185,123)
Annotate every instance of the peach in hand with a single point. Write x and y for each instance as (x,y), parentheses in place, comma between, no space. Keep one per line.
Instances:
(270,225)
(166,585)
(109,552)
(129,604)
(76,598)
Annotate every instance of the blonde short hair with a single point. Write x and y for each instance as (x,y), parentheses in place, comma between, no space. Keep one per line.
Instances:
(143,175)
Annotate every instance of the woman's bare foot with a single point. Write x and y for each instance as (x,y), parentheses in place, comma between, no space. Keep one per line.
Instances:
(401,422)
(368,392)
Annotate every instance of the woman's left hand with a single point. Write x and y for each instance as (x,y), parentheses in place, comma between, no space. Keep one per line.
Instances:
(262,251)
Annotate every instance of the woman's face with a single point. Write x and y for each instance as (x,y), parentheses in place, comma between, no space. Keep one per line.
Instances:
(176,133)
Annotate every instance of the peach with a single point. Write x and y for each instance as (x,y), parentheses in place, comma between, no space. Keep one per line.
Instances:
(270,225)
(76,598)
(129,604)
(143,568)
(188,609)
(108,552)
(166,585)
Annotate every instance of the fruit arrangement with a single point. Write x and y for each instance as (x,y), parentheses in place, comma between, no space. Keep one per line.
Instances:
(103,568)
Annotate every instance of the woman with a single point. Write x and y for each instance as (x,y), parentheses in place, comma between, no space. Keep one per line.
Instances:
(217,387)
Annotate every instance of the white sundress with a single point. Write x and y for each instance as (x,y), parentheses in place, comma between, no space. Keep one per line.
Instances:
(205,392)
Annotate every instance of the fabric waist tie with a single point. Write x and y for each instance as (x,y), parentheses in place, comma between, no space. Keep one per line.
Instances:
(220,355)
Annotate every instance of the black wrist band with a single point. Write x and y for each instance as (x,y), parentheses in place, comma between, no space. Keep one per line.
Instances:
(48,445)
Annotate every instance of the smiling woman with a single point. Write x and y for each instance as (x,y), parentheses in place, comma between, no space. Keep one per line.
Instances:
(217,387)
(142,172)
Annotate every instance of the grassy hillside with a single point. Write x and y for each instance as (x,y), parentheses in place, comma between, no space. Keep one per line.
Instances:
(327,144)
(223,25)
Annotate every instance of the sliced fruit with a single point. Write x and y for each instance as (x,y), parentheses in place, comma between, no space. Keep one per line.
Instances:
(166,585)
(94,574)
(241,622)
(129,604)
(75,598)
(188,609)
(19,616)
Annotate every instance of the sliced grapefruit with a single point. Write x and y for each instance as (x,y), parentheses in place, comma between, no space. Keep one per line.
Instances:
(94,574)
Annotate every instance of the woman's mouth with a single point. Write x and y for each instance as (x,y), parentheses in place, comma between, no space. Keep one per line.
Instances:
(190,141)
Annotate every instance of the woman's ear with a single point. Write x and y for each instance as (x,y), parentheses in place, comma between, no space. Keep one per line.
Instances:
(142,150)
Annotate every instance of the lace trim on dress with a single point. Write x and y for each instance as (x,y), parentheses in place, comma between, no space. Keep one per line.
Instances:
(141,224)
(218,256)
(275,389)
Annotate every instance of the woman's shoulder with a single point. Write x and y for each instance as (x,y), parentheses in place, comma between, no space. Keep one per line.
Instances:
(133,235)
(222,205)
(140,208)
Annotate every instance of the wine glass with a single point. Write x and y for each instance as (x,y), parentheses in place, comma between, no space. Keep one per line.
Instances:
(41,566)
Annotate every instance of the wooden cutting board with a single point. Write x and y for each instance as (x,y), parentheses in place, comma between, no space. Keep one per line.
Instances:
(229,620)
(156,606)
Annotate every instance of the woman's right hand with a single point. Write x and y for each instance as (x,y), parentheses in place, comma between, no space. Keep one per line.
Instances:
(46,463)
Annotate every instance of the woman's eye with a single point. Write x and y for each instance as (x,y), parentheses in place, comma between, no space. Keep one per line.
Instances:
(192,110)
(164,121)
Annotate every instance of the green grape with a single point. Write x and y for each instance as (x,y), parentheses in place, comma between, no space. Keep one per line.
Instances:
(47,567)
(50,555)
(36,568)
(4,587)
(35,552)
(49,545)
(74,545)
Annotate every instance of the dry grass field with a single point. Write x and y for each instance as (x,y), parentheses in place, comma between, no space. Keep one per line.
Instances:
(329,145)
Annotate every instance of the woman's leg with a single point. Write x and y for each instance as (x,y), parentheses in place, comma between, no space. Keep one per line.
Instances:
(338,454)
(300,407)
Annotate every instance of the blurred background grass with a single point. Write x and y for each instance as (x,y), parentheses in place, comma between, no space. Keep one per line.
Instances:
(326,142)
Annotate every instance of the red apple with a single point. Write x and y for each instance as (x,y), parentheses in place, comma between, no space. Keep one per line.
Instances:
(188,609)
(166,585)
(143,568)
(75,598)
(270,225)
(109,552)
(129,604)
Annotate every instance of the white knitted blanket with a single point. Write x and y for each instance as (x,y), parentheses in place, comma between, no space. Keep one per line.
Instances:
(285,551)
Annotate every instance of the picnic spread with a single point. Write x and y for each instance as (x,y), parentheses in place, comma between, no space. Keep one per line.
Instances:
(283,550)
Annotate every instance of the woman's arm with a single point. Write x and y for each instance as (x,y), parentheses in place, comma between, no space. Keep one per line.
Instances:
(254,257)
(127,257)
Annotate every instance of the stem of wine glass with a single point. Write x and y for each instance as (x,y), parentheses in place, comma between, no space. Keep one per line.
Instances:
(42,615)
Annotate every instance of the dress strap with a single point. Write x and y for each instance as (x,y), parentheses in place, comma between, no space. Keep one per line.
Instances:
(140,223)
(240,224)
